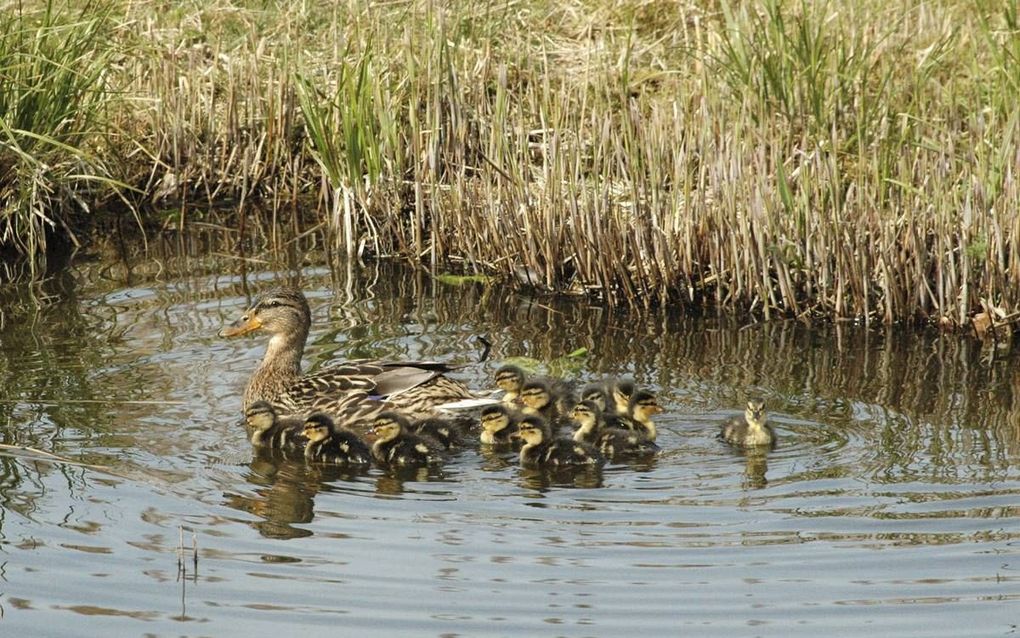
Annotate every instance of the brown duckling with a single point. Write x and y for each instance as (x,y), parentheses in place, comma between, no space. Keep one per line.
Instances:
(441,430)
(622,390)
(499,423)
(267,429)
(612,441)
(540,398)
(749,429)
(509,379)
(542,449)
(396,445)
(332,444)
(598,393)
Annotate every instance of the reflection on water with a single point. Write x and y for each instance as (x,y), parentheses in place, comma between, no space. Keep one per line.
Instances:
(894,484)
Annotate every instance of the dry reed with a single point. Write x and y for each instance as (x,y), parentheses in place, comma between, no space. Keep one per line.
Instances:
(784,157)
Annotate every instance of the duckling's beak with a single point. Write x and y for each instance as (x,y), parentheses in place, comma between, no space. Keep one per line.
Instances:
(655,409)
(515,435)
(244,325)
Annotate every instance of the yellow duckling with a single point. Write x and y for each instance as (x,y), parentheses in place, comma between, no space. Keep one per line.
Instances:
(751,428)
(395,445)
(539,398)
(267,429)
(331,444)
(642,407)
(541,449)
(498,425)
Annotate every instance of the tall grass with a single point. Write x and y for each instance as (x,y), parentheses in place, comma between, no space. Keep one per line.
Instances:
(54,67)
(786,157)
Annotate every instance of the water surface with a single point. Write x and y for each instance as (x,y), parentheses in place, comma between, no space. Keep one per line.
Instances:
(892,504)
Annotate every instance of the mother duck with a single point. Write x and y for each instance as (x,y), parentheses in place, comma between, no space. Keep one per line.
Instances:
(353,392)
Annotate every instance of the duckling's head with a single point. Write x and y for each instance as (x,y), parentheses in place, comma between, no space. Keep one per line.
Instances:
(389,425)
(596,393)
(509,379)
(643,405)
(623,391)
(260,416)
(532,430)
(586,413)
(317,427)
(279,311)
(535,394)
(495,418)
(755,411)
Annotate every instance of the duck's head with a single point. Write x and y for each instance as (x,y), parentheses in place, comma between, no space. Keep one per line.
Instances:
(279,311)
(586,413)
(495,418)
(532,430)
(755,410)
(509,379)
(596,393)
(317,427)
(389,425)
(260,416)
(535,394)
(643,405)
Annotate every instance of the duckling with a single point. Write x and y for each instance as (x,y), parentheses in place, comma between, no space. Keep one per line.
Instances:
(331,444)
(267,429)
(498,425)
(510,378)
(612,442)
(543,450)
(397,446)
(438,429)
(622,390)
(749,429)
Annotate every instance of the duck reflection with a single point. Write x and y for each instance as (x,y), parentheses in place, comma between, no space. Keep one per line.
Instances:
(545,478)
(285,491)
(755,468)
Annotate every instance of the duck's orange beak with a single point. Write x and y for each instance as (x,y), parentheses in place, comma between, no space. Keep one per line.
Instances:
(242,326)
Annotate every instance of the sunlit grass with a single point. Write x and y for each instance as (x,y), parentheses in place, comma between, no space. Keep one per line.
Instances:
(54,94)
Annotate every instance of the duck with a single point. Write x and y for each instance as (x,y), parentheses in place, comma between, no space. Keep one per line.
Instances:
(542,449)
(352,392)
(331,444)
(267,429)
(612,442)
(441,430)
(396,445)
(750,429)
(499,423)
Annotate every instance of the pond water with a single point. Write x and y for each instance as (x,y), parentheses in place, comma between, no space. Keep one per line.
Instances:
(891,505)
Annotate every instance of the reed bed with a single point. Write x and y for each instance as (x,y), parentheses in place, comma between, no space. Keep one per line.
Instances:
(809,159)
